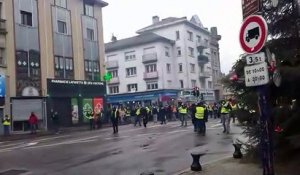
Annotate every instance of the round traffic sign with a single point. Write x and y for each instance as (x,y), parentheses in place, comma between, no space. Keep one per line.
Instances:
(253,34)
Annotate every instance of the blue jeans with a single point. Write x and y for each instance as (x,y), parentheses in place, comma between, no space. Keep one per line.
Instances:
(200,126)
(6,130)
(137,120)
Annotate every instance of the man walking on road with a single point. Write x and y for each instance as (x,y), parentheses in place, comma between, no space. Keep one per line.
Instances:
(6,124)
(138,116)
(55,120)
(144,114)
(115,119)
(201,118)
(183,114)
(225,110)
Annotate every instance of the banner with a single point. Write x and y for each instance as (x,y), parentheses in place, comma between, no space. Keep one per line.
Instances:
(98,105)
(87,106)
(75,116)
(2,85)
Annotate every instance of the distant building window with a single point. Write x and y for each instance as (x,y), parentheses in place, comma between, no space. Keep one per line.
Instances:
(180,67)
(2,57)
(206,41)
(177,35)
(192,68)
(62,27)
(199,39)
(167,51)
(150,68)
(61,3)
(90,34)
(88,9)
(152,85)
(178,51)
(131,71)
(132,87)
(63,67)
(191,51)
(190,36)
(168,68)
(129,56)
(92,70)
(113,89)
(181,84)
(170,83)
(209,84)
(114,73)
(193,83)
(26,18)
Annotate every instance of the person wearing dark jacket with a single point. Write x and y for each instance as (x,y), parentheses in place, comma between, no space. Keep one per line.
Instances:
(162,115)
(55,120)
(144,114)
(115,117)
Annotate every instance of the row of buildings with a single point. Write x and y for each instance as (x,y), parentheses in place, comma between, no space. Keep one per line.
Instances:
(169,57)
(53,57)
(51,52)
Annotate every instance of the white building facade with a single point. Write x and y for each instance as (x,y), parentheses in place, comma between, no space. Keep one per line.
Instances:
(169,56)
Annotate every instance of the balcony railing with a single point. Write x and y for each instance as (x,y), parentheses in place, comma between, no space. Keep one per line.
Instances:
(114,80)
(2,25)
(150,75)
(203,59)
(150,57)
(205,74)
(112,64)
(202,44)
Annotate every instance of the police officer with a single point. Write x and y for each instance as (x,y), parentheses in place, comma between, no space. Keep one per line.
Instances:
(6,124)
(200,118)
(225,110)
(183,114)
(115,117)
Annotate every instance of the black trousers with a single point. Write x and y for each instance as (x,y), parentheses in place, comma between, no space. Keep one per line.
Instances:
(115,126)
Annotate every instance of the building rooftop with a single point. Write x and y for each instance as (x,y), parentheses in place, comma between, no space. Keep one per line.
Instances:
(135,41)
(194,22)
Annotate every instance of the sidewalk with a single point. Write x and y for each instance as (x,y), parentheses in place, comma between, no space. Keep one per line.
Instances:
(22,135)
(234,166)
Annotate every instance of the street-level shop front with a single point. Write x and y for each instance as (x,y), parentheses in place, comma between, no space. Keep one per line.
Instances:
(144,98)
(73,99)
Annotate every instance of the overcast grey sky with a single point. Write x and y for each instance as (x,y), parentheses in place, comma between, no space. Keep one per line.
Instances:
(125,17)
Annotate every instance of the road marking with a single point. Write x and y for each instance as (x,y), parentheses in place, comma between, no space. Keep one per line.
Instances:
(51,138)
(32,143)
(62,143)
(171,132)
(219,124)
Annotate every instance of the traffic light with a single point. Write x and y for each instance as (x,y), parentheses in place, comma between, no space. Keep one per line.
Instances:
(194,92)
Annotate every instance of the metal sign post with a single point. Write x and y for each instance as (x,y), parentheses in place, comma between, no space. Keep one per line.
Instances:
(266,142)
(253,35)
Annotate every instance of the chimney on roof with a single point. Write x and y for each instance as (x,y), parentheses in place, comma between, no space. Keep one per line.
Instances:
(155,19)
(113,38)
(214,30)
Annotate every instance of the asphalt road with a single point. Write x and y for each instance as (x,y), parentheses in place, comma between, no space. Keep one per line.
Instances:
(162,149)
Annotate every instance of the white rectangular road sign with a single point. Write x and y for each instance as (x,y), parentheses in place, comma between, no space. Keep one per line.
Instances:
(256,58)
(256,75)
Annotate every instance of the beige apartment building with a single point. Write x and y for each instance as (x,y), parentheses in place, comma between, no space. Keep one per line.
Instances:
(51,59)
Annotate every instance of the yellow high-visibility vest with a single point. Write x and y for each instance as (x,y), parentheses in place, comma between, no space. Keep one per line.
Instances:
(224,110)
(234,107)
(182,110)
(138,111)
(199,112)
(6,123)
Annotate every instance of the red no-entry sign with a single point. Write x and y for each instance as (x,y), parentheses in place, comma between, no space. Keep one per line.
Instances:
(253,34)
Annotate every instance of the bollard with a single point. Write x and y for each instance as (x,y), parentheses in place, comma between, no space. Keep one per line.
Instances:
(196,166)
(237,151)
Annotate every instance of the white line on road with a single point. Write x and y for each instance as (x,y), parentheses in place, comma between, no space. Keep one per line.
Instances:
(219,124)
(171,132)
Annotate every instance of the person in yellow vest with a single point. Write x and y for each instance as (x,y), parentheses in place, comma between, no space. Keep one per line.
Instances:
(200,118)
(183,114)
(210,110)
(6,125)
(225,111)
(138,116)
(234,109)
